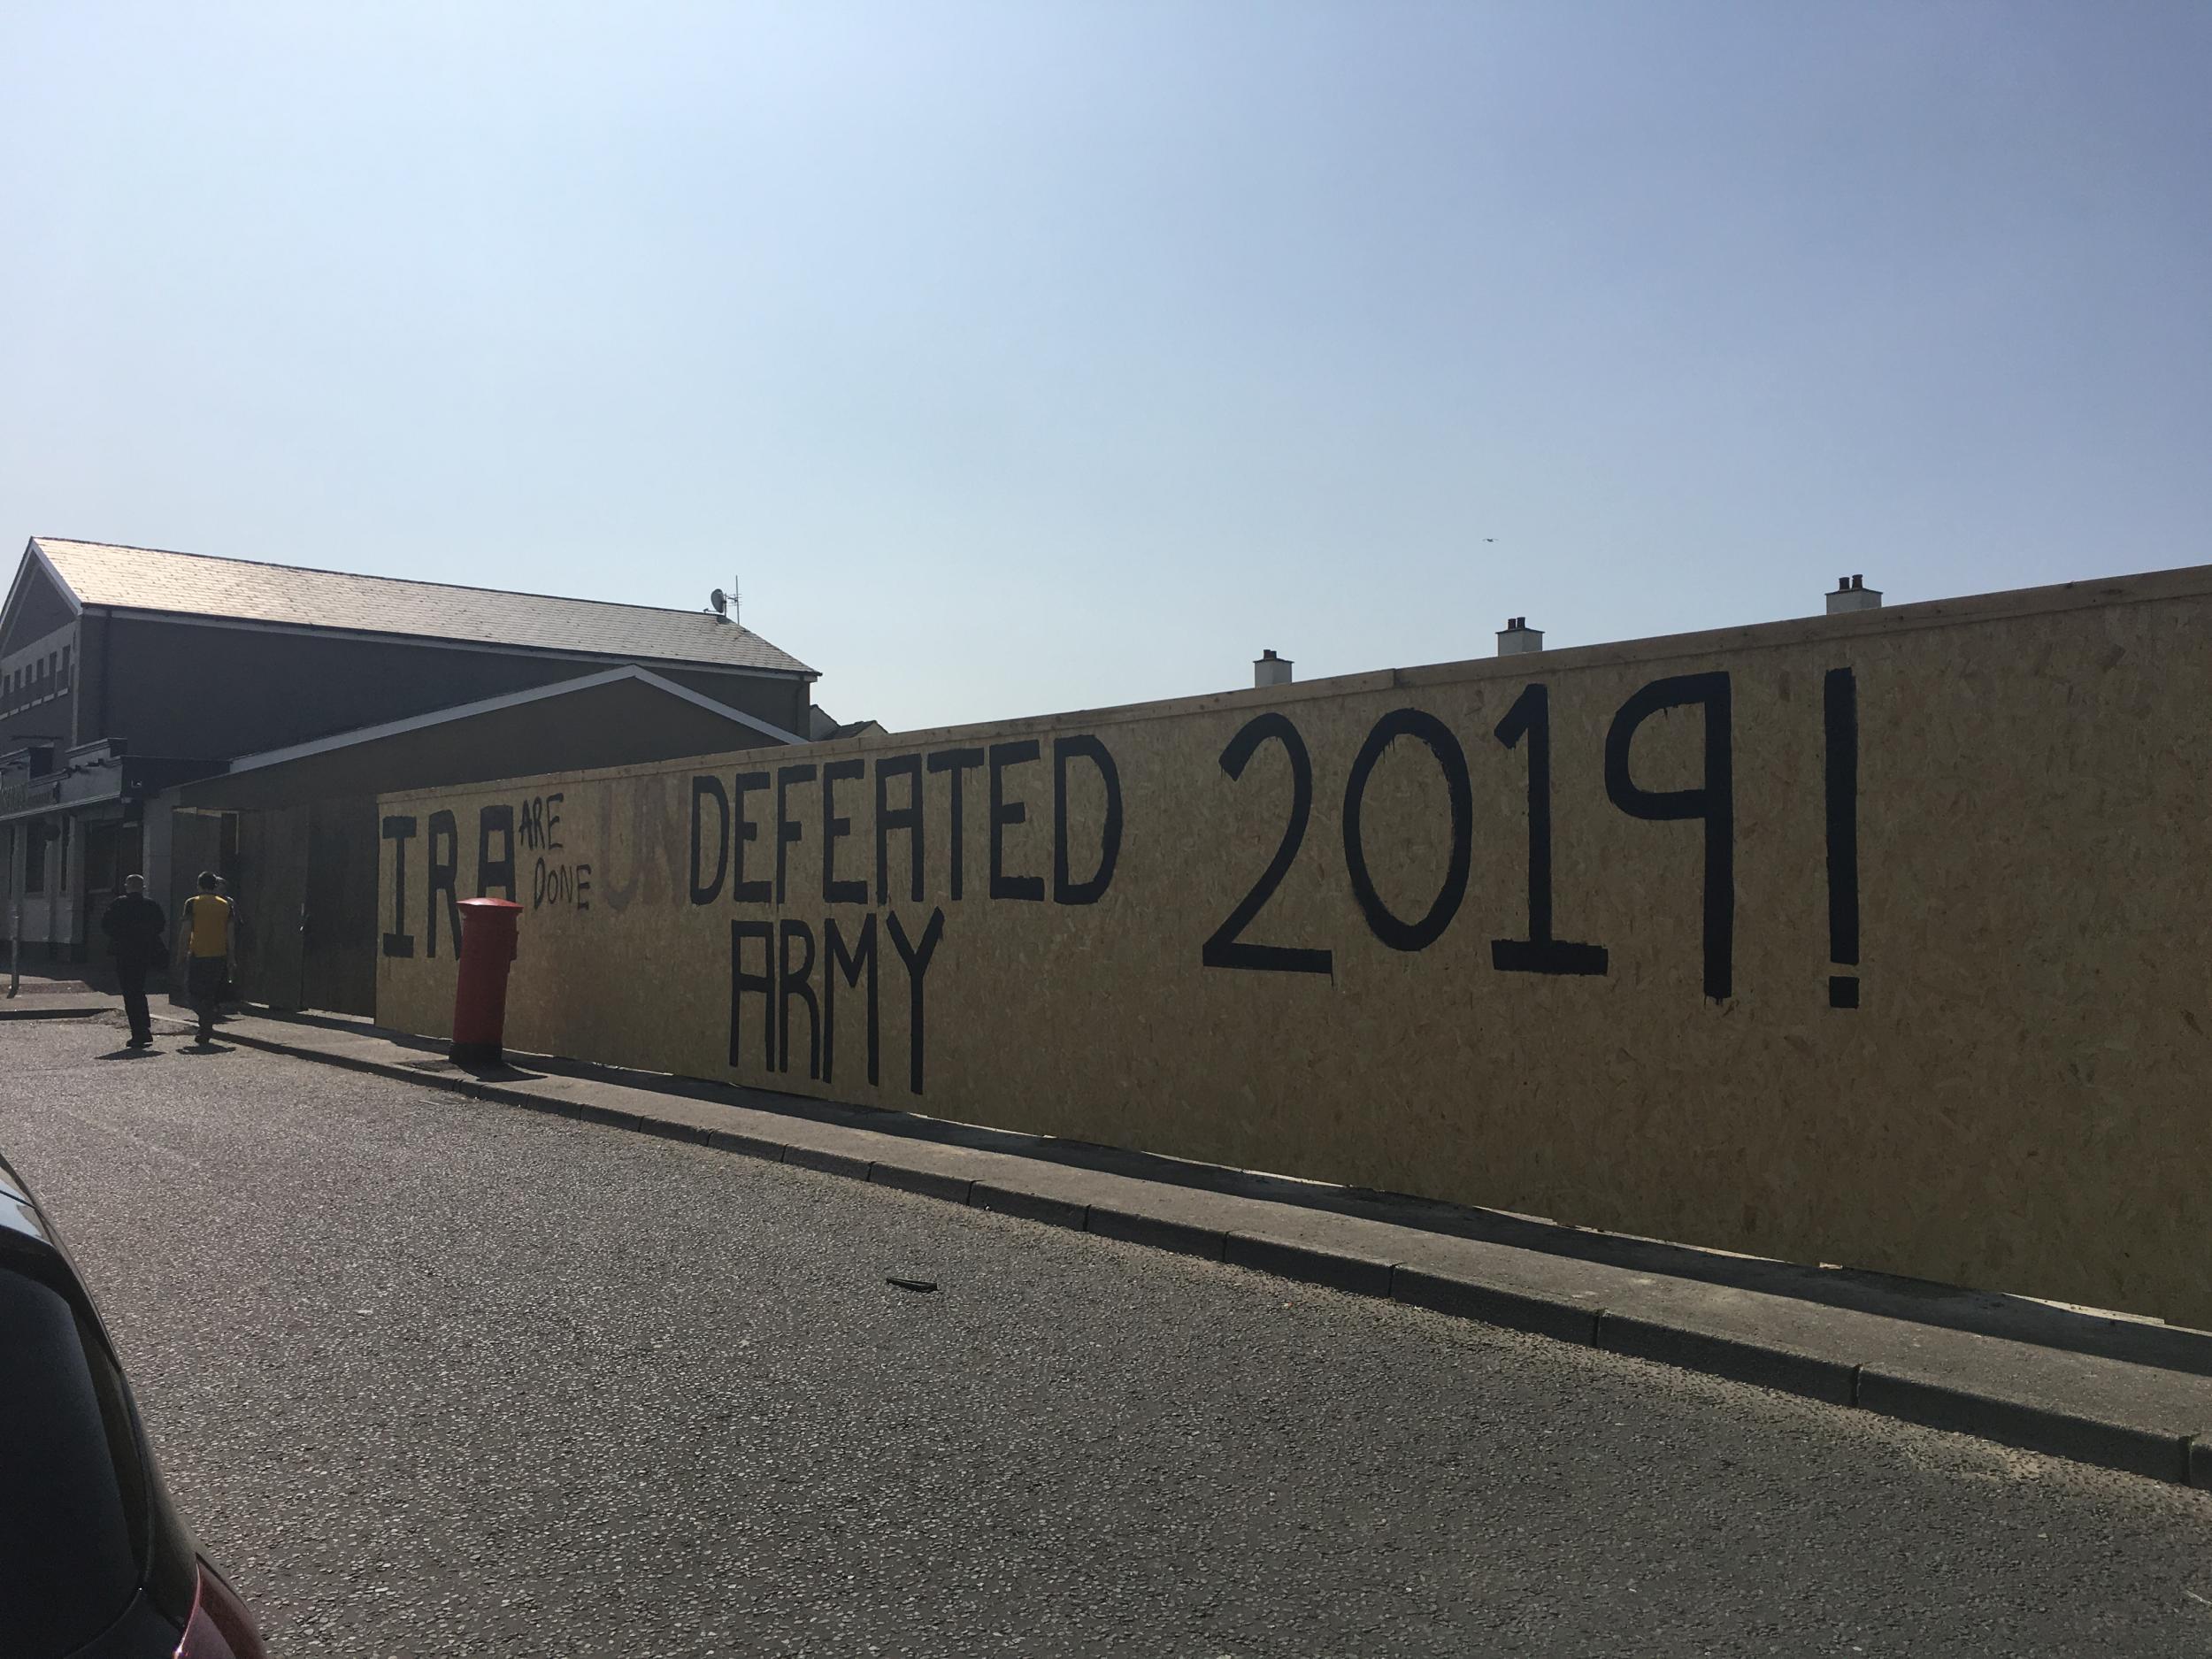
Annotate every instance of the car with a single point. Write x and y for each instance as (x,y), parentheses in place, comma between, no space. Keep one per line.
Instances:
(94,1562)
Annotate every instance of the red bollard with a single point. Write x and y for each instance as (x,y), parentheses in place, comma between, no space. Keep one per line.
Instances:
(480,995)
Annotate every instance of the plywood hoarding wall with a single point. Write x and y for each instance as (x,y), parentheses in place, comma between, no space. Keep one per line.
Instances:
(1878,940)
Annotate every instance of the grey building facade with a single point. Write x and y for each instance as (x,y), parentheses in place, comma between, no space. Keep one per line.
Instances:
(125,671)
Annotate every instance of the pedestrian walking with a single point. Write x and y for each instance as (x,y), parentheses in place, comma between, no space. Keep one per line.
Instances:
(133,925)
(237,926)
(207,931)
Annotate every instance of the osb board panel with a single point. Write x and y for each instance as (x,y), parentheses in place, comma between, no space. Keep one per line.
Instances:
(2017,1100)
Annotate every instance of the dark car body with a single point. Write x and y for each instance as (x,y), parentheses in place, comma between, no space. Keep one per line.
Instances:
(94,1562)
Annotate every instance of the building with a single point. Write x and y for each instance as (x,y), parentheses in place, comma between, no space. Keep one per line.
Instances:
(297,831)
(125,671)
(822,726)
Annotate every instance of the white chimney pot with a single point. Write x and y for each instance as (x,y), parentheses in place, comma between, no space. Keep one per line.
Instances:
(1516,638)
(1853,594)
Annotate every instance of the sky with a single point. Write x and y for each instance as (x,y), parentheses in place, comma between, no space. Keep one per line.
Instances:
(1019,358)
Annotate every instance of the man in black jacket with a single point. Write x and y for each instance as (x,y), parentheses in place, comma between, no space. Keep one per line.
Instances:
(133,925)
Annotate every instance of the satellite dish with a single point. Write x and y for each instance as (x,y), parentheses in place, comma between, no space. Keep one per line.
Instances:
(721,601)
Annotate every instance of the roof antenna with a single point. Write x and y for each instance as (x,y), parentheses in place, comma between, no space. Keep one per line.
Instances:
(736,600)
(724,604)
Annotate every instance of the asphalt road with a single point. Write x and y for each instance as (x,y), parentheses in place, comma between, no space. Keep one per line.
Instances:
(432,1377)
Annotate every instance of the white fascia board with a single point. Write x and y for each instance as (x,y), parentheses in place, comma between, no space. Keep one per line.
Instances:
(508,699)
(35,554)
(646,676)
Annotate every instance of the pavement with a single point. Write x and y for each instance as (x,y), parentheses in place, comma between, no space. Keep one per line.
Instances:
(2121,1393)
(49,996)
(431,1375)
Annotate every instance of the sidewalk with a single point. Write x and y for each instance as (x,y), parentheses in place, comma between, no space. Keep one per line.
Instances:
(51,995)
(2120,1393)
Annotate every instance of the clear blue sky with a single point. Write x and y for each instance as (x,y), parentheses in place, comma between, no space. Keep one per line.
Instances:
(1035,356)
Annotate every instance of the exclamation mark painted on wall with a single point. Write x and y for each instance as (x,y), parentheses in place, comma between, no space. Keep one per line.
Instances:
(1841,698)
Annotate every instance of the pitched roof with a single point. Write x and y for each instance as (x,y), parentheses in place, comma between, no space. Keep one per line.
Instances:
(195,584)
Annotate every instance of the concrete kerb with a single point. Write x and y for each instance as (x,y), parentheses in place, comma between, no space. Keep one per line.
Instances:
(1028,1206)
(2035,1428)
(2185,1459)
(1560,1318)
(1158,1232)
(825,1162)
(952,1189)
(1761,1364)
(1316,1265)
(746,1146)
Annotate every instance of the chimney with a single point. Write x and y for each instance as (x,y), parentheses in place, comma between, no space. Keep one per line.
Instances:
(1853,594)
(1516,637)
(1271,670)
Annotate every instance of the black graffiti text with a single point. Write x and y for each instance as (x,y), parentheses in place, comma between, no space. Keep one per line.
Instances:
(1526,728)
(498,829)
(1008,818)
(560,885)
(796,983)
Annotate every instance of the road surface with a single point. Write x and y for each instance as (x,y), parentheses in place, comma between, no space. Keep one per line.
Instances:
(434,1376)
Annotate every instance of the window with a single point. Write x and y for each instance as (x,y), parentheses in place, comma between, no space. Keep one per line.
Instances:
(33,830)
(63,683)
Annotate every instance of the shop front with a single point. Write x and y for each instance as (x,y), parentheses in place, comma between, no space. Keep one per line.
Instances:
(72,825)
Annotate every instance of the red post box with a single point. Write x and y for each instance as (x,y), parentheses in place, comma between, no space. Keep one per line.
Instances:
(480,995)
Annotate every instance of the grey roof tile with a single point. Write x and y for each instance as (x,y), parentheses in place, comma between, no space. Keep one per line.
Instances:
(195,584)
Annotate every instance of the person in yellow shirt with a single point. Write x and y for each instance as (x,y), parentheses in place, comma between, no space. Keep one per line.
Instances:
(207,918)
